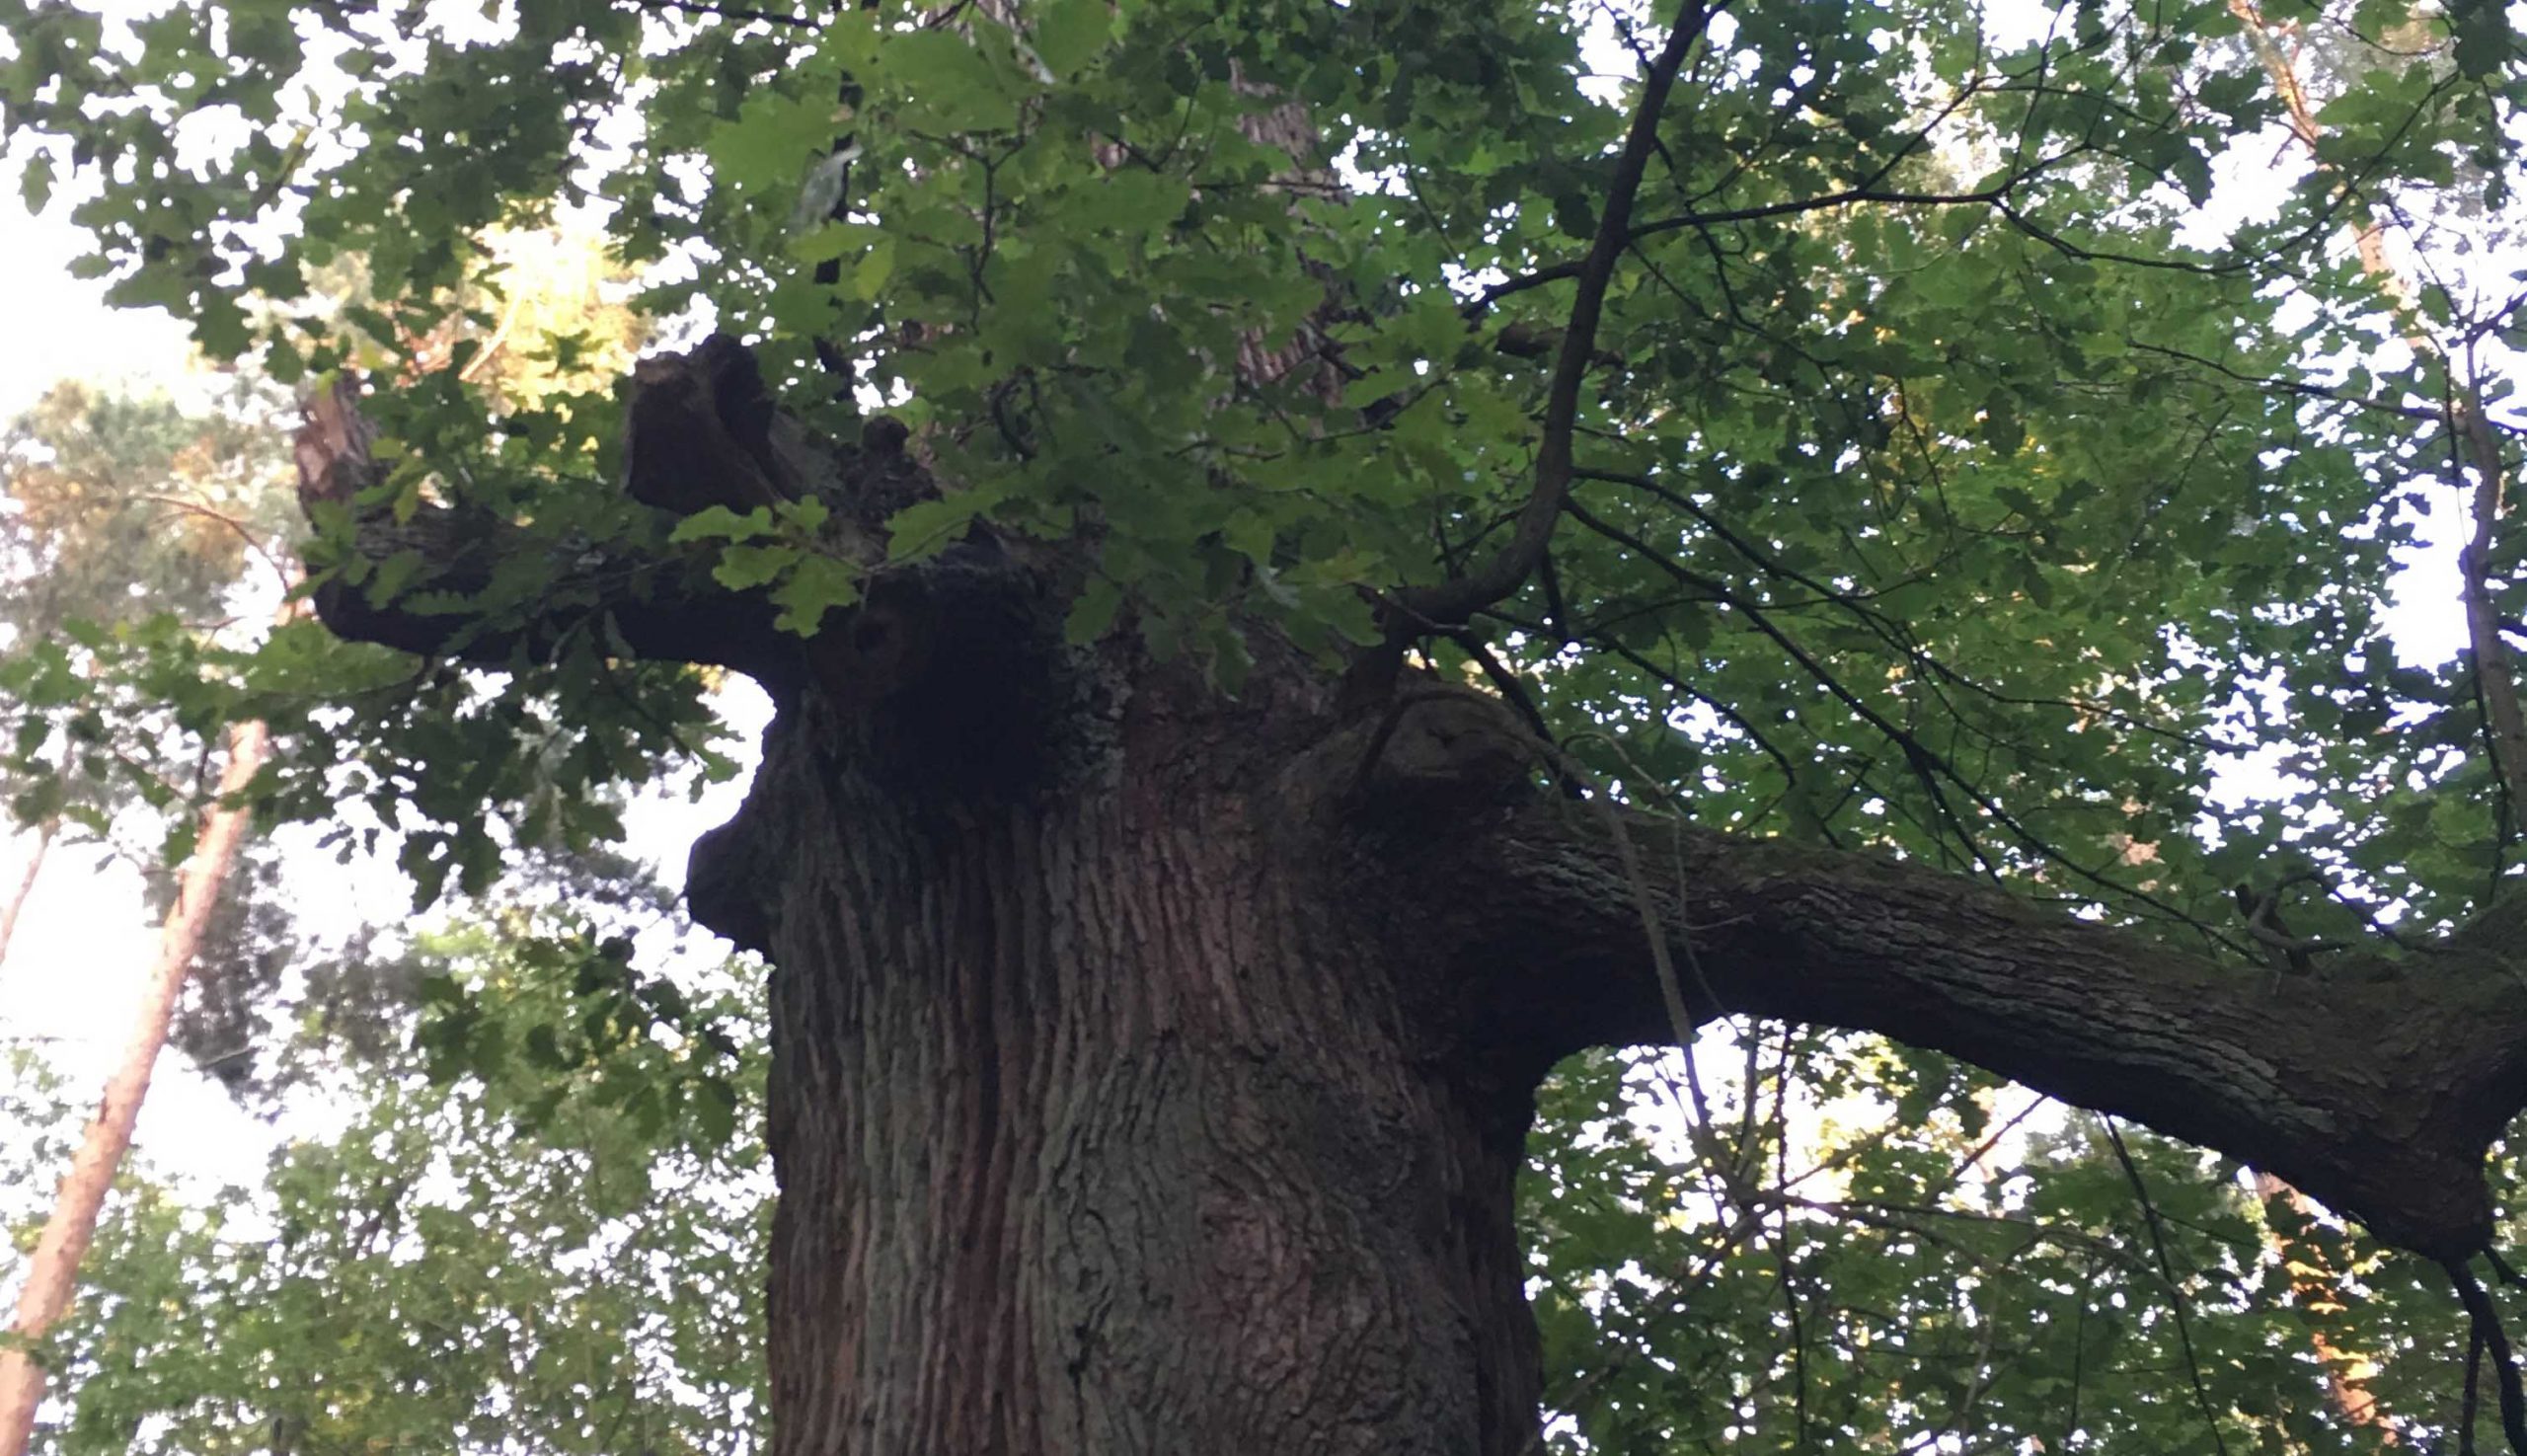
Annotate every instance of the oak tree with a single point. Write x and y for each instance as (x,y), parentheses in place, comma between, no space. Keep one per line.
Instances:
(1315,561)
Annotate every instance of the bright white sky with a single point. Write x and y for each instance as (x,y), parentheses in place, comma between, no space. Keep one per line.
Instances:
(74,973)
(68,332)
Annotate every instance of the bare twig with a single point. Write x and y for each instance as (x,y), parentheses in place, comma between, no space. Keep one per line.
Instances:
(253,543)
(733,12)
(2167,1271)
(1450,602)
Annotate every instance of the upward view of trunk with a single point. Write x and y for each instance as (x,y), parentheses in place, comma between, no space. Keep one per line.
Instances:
(52,1272)
(1151,1065)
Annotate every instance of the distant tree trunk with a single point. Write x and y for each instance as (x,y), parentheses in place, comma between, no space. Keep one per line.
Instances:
(2316,1287)
(17,902)
(52,1273)
(2313,1282)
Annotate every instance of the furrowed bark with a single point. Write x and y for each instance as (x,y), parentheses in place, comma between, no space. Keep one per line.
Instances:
(1099,1124)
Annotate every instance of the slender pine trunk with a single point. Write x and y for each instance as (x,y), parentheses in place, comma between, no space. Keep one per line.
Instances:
(2312,1280)
(17,902)
(52,1273)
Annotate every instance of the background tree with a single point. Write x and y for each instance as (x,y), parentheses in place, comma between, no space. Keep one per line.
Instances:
(548,1240)
(119,509)
(1843,443)
(101,674)
(85,496)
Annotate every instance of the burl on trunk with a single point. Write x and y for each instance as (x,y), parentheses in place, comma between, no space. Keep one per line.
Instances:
(1152,1065)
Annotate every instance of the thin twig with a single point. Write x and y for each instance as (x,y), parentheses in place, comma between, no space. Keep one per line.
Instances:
(2176,1291)
(253,541)
(1450,602)
(732,12)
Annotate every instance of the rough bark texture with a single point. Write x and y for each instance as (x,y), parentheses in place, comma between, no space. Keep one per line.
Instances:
(52,1272)
(1102,1124)
(1151,1068)
(2376,1089)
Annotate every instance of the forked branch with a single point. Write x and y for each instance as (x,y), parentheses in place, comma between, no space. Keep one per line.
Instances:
(701,430)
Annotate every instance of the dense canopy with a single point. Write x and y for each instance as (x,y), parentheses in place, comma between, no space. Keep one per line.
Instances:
(1951,474)
(1720,479)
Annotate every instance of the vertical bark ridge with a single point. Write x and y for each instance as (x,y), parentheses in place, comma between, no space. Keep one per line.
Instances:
(1102,1129)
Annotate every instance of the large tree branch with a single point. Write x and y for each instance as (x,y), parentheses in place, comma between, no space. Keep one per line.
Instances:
(701,430)
(2374,1085)
(664,610)
(955,650)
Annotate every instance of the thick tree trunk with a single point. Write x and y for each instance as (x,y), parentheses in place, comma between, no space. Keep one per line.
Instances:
(52,1272)
(1150,1069)
(1103,1122)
